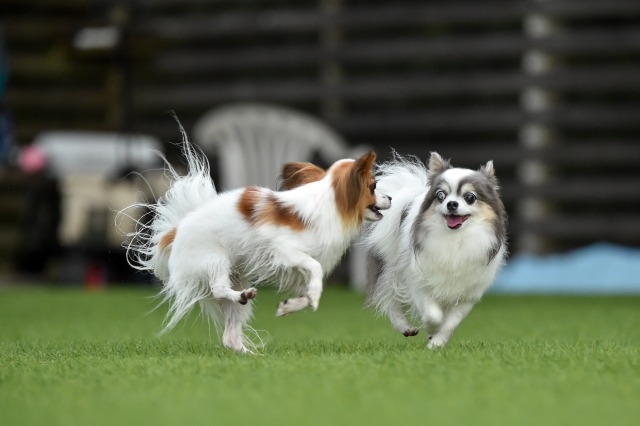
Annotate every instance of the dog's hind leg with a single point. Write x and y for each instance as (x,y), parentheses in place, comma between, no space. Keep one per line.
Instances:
(399,319)
(233,316)
(381,293)
(236,318)
(222,287)
(235,307)
(221,290)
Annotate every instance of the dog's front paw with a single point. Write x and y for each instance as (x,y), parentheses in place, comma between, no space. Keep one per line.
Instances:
(411,332)
(436,342)
(314,301)
(292,305)
(247,295)
(282,310)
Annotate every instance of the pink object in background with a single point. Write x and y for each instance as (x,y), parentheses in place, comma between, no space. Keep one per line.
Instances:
(32,159)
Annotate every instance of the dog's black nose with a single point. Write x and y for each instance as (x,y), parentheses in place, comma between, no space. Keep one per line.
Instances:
(389,197)
(452,205)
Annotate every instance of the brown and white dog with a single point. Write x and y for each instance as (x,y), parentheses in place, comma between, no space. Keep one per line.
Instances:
(212,249)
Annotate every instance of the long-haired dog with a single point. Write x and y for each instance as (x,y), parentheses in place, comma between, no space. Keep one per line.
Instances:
(212,249)
(439,247)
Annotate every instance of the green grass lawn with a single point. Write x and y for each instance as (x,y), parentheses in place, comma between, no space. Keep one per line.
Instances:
(69,357)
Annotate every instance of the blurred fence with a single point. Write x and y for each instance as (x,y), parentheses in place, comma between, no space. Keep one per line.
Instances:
(547,89)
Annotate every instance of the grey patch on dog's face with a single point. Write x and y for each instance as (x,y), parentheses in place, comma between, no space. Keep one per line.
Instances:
(487,190)
(437,166)
(375,267)
(418,229)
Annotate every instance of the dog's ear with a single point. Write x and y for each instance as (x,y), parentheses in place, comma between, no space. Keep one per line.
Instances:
(437,165)
(488,169)
(362,169)
(364,164)
(299,173)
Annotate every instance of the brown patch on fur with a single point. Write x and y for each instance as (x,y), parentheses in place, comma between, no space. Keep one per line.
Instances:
(248,203)
(467,187)
(274,212)
(486,212)
(263,208)
(351,183)
(167,239)
(298,173)
(430,212)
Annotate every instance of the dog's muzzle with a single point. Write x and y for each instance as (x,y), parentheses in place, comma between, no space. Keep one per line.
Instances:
(372,213)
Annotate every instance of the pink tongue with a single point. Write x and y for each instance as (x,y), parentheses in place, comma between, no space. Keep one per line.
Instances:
(453,221)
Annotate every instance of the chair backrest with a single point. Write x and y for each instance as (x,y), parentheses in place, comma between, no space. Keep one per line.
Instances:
(252,141)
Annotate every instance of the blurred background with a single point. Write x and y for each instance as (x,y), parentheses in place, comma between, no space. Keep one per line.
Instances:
(549,90)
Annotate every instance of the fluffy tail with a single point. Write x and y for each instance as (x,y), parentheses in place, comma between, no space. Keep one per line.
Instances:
(402,174)
(148,247)
(405,178)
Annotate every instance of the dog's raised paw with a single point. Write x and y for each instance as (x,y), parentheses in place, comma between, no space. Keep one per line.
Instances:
(411,332)
(292,305)
(281,310)
(247,295)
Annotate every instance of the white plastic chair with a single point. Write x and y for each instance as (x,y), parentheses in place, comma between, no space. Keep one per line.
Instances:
(253,141)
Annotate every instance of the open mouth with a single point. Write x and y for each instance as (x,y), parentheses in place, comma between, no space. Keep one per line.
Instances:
(375,210)
(454,221)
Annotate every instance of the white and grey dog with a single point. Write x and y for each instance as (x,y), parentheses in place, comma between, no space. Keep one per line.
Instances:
(439,247)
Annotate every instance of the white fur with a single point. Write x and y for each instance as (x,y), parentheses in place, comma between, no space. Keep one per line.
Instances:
(440,283)
(217,256)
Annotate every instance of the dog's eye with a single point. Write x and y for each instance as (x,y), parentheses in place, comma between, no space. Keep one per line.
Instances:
(469,198)
(373,187)
(440,195)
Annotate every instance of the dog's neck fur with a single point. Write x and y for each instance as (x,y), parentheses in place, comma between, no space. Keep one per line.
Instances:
(448,258)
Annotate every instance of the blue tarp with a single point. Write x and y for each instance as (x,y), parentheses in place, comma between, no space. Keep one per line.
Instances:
(597,269)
